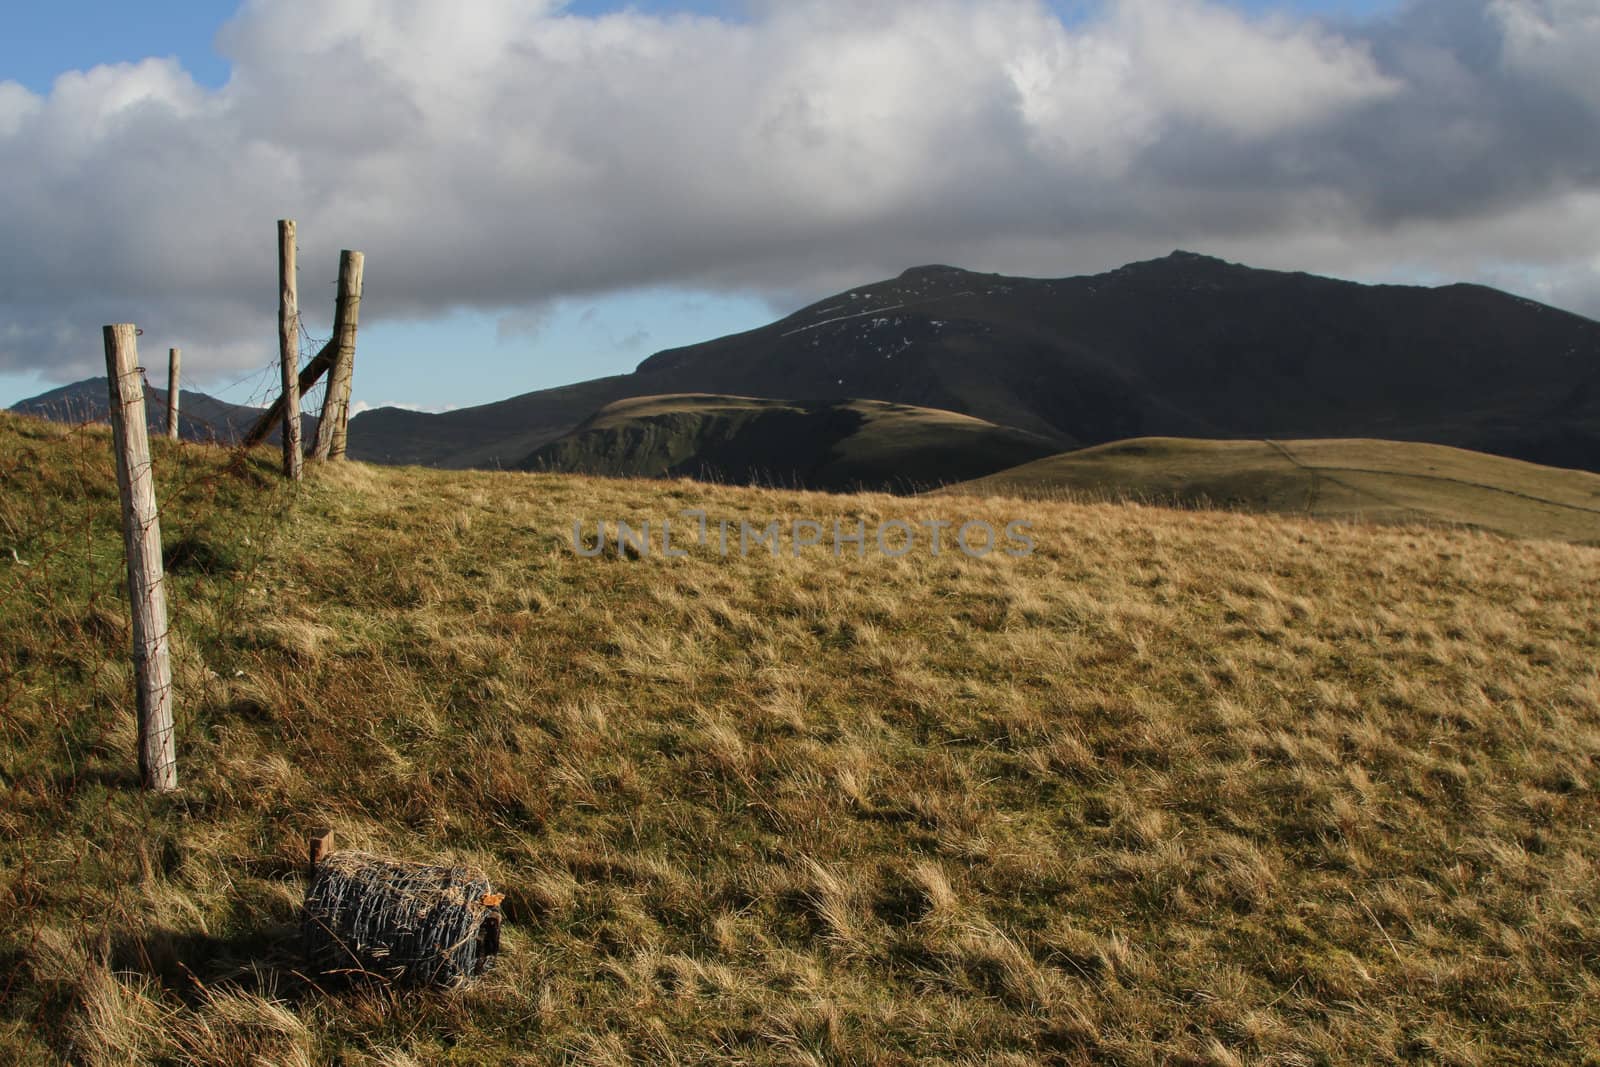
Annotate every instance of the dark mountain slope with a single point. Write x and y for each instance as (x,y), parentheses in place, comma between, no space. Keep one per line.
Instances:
(1186,345)
(489,435)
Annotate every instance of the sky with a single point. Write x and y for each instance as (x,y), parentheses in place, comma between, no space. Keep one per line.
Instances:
(548,192)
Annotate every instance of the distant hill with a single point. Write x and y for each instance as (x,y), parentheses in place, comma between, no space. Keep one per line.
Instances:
(1375,481)
(1182,346)
(1186,345)
(201,417)
(486,436)
(748,440)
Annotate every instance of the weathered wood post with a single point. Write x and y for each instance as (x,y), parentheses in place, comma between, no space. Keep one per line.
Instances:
(174,360)
(289,348)
(141,529)
(333,430)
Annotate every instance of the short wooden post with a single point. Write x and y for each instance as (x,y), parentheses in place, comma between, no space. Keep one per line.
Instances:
(141,528)
(333,430)
(174,360)
(320,844)
(289,348)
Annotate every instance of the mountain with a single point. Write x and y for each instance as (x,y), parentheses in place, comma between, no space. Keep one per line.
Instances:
(749,440)
(201,417)
(1372,481)
(1182,346)
(1185,346)
(494,435)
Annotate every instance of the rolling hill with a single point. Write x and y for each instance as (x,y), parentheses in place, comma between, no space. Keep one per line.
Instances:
(1374,481)
(746,440)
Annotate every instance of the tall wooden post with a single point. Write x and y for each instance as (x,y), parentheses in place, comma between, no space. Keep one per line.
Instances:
(333,430)
(174,360)
(141,529)
(289,348)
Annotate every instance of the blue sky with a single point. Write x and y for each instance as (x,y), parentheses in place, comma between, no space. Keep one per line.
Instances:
(632,276)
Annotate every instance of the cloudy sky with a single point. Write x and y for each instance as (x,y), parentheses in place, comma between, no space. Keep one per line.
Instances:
(550,191)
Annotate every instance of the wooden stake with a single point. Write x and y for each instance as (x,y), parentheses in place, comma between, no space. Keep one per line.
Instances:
(320,843)
(289,348)
(333,429)
(141,528)
(174,359)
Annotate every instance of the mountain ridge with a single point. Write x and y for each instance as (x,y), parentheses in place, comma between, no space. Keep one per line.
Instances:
(1184,345)
(201,416)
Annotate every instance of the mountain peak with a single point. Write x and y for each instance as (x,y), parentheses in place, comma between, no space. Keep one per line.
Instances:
(1181,264)
(1179,259)
(931,269)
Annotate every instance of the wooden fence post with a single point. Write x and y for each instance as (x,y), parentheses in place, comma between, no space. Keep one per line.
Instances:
(333,429)
(174,360)
(289,348)
(141,529)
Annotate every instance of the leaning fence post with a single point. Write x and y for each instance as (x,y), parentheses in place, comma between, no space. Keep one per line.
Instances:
(333,429)
(141,529)
(289,348)
(174,359)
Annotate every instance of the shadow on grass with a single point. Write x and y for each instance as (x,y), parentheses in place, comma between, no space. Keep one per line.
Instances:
(265,960)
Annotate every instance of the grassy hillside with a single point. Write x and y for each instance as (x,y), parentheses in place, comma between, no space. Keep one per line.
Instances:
(744,440)
(1178,787)
(1373,481)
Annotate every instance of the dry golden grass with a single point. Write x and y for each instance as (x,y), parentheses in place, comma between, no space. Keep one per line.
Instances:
(1350,479)
(1177,788)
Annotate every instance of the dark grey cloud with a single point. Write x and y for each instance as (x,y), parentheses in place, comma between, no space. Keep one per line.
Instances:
(501,155)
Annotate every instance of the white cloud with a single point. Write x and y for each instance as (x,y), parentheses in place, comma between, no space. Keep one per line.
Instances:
(1249,77)
(1554,41)
(358,406)
(17,106)
(503,155)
